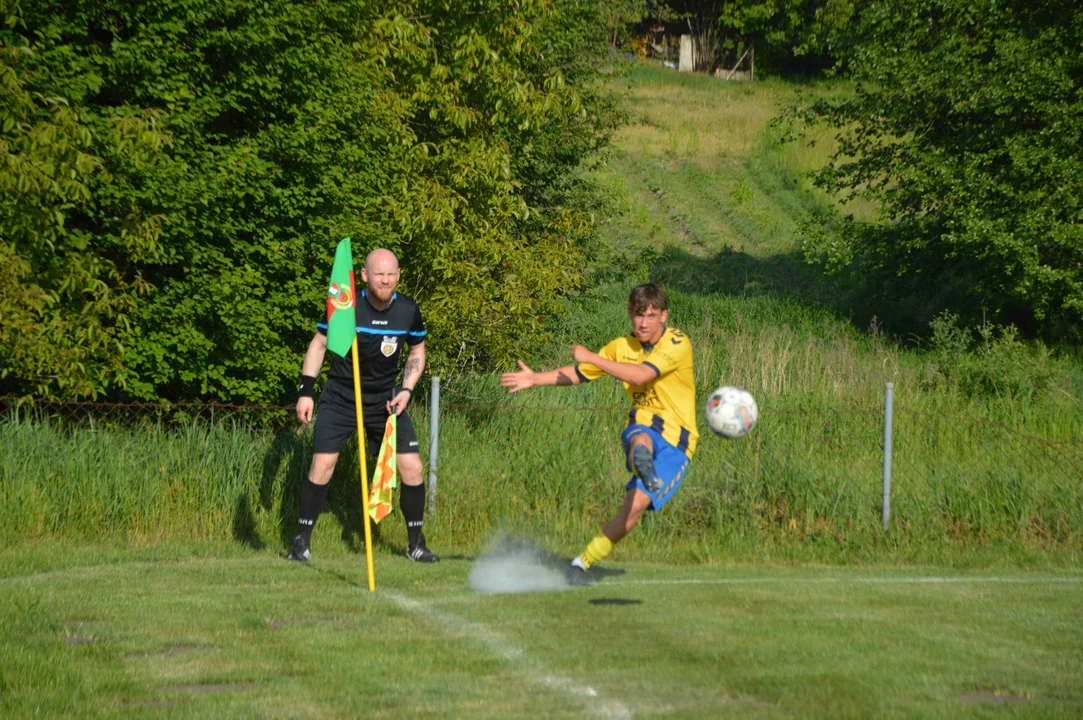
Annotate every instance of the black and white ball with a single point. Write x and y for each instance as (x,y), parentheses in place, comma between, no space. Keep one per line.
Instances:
(731,412)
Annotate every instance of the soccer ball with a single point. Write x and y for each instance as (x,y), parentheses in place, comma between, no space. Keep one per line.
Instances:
(731,412)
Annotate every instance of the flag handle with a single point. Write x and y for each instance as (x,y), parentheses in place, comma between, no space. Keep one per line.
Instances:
(364,467)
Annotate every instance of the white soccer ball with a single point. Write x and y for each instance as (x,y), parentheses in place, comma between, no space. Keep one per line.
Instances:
(731,412)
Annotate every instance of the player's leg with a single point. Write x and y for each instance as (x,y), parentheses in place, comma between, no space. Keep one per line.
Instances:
(313,495)
(669,466)
(635,503)
(641,460)
(412,492)
(334,423)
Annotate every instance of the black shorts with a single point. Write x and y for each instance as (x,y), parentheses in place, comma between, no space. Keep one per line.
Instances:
(336,420)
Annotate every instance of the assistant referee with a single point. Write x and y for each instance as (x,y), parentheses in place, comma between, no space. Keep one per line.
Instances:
(386,322)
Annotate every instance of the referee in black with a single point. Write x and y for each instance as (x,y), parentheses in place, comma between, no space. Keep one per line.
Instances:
(387,324)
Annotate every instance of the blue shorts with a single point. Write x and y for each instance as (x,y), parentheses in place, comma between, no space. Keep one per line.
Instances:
(670,463)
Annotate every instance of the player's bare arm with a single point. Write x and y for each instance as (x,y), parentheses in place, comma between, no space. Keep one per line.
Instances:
(415,365)
(631,373)
(317,349)
(527,378)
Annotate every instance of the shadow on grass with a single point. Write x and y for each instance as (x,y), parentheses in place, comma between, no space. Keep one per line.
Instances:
(285,466)
(863,297)
(737,273)
(293,451)
(245,528)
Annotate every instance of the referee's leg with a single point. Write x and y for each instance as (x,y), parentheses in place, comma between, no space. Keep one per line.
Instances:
(334,423)
(412,493)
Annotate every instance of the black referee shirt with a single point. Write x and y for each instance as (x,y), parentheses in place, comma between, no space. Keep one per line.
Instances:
(380,337)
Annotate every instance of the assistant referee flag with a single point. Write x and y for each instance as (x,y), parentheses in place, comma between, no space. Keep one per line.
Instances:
(341,298)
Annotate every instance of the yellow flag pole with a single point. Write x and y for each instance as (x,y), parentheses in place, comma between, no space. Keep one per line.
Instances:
(364,467)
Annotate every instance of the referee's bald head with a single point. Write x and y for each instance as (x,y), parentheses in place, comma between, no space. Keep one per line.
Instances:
(381,255)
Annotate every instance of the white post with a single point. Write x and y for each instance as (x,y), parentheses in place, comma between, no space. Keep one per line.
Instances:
(688,58)
(889,396)
(434,439)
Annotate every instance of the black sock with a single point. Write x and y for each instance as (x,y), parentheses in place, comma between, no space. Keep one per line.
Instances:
(312,497)
(412,503)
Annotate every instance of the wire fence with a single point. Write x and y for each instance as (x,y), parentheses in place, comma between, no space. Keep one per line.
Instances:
(117,415)
(845,441)
(808,472)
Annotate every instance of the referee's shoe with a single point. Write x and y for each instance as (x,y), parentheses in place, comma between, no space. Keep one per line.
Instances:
(300,551)
(421,552)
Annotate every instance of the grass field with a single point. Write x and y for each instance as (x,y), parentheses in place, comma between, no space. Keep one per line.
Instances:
(141,571)
(217,631)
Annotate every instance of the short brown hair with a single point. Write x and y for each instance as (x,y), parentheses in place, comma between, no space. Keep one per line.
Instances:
(646,296)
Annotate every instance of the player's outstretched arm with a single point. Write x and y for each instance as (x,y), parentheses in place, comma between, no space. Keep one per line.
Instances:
(310,368)
(631,373)
(527,378)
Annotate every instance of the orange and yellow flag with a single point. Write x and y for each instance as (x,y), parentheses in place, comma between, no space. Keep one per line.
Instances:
(385,478)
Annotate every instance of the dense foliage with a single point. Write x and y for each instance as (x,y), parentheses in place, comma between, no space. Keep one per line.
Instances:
(967,130)
(175,175)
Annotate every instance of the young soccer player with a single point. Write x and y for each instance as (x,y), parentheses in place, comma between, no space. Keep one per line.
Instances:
(655,365)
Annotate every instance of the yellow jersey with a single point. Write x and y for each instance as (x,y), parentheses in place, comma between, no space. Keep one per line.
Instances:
(666,404)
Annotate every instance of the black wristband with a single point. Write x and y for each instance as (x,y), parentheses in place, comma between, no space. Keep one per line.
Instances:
(305,386)
(409,390)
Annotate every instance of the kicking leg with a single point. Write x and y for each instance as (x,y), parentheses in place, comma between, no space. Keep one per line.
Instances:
(641,459)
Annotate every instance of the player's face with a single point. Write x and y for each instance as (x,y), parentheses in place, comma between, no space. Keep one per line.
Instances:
(381,276)
(648,325)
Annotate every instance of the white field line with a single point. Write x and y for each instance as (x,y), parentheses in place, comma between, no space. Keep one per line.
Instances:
(916,580)
(585,696)
(472,597)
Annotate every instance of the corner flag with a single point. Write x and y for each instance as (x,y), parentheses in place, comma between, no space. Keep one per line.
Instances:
(341,301)
(341,337)
(386,477)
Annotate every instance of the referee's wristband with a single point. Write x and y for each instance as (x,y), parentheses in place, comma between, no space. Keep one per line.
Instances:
(409,390)
(306,385)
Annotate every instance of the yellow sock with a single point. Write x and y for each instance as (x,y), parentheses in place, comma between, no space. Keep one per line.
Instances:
(597,550)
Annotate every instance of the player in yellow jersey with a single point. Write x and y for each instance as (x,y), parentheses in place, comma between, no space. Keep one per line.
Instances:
(655,365)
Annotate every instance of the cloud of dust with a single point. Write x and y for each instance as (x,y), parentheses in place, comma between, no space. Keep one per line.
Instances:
(516,565)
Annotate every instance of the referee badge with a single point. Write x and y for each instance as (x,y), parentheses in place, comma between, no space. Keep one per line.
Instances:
(389,345)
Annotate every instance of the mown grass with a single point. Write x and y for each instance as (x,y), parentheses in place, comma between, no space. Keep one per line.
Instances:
(216,630)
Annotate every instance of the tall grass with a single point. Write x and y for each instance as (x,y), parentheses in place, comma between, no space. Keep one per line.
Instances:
(805,483)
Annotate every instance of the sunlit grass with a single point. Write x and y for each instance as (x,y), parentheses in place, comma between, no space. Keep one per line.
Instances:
(213,630)
(716,126)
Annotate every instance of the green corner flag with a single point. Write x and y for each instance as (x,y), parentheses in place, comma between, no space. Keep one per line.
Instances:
(341,296)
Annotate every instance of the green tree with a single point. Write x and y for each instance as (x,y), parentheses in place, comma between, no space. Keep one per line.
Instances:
(967,130)
(789,34)
(229,146)
(66,288)
(786,34)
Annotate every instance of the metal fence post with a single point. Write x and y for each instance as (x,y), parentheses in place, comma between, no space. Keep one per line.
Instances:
(434,439)
(889,397)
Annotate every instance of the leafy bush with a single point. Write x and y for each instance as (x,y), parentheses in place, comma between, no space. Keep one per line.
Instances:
(206,158)
(989,361)
(965,130)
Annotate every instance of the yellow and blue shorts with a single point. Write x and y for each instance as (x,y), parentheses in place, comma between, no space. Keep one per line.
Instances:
(670,464)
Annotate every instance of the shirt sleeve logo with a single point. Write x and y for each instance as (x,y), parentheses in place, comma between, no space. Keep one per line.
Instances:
(389,345)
